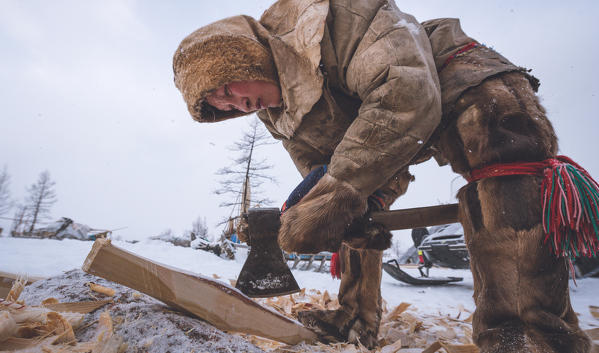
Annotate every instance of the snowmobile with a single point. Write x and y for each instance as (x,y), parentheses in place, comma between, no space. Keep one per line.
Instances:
(441,246)
(444,246)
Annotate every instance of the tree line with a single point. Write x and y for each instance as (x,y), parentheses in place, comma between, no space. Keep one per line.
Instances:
(35,207)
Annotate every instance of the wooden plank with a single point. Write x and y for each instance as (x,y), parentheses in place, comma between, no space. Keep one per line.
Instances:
(417,217)
(222,306)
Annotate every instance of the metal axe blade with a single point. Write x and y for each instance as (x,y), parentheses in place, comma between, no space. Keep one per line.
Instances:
(265,272)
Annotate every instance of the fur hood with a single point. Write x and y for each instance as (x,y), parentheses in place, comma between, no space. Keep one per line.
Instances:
(229,50)
(240,48)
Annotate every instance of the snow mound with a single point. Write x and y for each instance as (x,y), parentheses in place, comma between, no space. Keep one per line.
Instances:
(146,324)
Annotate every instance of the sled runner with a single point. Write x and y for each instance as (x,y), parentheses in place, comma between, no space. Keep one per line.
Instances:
(393,269)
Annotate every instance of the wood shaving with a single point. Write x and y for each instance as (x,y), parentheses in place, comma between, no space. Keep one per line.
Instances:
(42,329)
(593,333)
(8,326)
(60,327)
(16,289)
(402,329)
(77,307)
(101,289)
(594,311)
(49,301)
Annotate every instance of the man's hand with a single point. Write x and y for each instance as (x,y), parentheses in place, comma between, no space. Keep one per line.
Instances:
(319,221)
(322,211)
(364,233)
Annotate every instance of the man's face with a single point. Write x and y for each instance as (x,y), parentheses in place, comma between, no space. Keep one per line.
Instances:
(245,96)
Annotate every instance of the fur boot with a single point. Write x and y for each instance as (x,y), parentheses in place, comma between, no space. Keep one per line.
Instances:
(359,317)
(318,222)
(520,288)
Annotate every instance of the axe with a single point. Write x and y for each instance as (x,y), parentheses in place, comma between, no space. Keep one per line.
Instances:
(265,272)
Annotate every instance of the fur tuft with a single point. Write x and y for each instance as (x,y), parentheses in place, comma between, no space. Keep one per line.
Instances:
(319,221)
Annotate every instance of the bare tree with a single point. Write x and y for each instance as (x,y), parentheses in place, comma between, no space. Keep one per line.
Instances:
(199,229)
(242,180)
(20,221)
(5,201)
(41,197)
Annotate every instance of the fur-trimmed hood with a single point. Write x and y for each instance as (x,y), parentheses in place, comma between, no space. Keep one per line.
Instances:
(229,50)
(240,48)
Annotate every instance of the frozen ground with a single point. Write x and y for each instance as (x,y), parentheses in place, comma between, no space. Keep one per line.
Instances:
(45,258)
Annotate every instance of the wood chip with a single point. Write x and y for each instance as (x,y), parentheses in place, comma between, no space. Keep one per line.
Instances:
(432,348)
(215,276)
(594,311)
(16,289)
(396,312)
(49,301)
(78,307)
(392,348)
(60,327)
(8,326)
(452,348)
(593,333)
(101,289)
(16,344)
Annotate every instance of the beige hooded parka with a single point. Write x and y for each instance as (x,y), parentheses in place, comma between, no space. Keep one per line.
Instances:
(360,87)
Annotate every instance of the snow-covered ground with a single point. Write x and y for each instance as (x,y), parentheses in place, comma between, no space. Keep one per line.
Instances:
(45,257)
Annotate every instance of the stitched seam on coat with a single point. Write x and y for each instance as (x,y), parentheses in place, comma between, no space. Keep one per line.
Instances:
(353,12)
(349,159)
(378,124)
(362,144)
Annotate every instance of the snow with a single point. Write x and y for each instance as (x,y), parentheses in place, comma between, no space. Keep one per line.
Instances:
(46,257)
(413,28)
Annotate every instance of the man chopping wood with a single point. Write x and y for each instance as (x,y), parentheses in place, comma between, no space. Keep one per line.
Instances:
(358,91)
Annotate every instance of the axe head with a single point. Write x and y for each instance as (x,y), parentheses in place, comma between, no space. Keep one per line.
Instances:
(265,272)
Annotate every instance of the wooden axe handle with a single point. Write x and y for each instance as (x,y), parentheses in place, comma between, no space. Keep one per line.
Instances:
(417,217)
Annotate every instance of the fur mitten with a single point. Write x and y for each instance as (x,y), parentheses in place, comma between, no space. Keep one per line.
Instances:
(319,221)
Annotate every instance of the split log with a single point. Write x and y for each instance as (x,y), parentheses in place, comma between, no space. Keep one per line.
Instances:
(222,306)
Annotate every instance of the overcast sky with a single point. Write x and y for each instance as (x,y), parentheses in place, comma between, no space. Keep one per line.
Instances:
(86,92)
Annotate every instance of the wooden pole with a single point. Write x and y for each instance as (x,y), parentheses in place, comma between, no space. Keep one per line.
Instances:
(417,217)
(222,306)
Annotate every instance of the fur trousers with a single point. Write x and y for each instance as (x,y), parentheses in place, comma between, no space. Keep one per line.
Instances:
(520,288)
